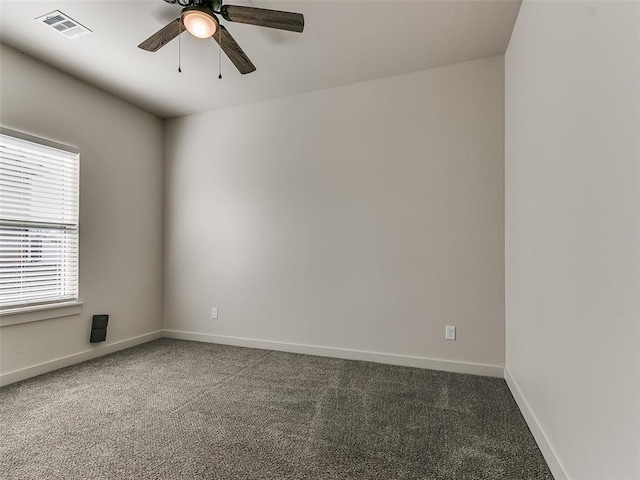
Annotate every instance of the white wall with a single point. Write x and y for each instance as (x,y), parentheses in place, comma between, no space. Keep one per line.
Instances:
(573,232)
(365,217)
(120,213)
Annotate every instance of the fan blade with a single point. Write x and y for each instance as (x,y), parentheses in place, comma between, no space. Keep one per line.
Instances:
(294,22)
(163,36)
(233,50)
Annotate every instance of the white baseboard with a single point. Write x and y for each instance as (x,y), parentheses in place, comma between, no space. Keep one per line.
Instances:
(404,360)
(24,373)
(543,443)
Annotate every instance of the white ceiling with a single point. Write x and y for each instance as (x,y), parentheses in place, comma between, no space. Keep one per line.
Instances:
(344,41)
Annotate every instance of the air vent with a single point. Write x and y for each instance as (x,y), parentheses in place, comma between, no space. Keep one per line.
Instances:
(64,24)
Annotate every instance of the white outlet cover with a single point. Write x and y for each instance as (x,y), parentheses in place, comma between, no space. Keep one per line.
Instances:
(450,332)
(214,313)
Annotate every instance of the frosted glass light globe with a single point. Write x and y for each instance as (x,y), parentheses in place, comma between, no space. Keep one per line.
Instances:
(199,24)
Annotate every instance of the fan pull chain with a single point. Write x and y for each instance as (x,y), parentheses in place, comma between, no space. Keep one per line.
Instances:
(220,53)
(179,47)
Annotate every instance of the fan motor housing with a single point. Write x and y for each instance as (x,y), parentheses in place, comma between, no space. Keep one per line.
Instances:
(212,4)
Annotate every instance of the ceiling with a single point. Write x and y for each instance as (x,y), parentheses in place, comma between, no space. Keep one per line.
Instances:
(344,41)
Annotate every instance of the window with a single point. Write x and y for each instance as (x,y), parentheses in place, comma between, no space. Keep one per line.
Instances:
(38,222)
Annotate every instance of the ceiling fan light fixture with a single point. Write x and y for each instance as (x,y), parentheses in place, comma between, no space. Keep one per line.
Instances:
(199,23)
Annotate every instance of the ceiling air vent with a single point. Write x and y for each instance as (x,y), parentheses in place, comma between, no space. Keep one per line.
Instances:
(64,24)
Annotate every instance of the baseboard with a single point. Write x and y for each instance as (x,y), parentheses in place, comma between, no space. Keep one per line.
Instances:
(404,360)
(538,433)
(24,373)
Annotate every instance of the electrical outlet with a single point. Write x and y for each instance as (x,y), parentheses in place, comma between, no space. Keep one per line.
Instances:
(450,332)
(214,313)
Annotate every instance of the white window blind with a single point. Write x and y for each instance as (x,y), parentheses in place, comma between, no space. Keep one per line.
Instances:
(38,223)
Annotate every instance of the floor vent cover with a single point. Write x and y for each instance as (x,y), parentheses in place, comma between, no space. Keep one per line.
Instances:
(64,24)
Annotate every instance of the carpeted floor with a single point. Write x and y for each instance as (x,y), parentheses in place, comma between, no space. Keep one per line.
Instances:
(173,409)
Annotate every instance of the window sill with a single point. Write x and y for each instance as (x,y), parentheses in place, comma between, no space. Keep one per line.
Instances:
(36,313)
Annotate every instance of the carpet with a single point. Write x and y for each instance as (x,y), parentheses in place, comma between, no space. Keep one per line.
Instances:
(172,409)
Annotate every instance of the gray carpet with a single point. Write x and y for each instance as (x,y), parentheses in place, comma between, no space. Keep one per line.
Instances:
(172,409)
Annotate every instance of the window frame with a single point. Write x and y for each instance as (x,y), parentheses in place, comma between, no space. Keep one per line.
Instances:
(47,308)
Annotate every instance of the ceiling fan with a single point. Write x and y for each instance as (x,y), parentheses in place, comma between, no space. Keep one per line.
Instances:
(200,18)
